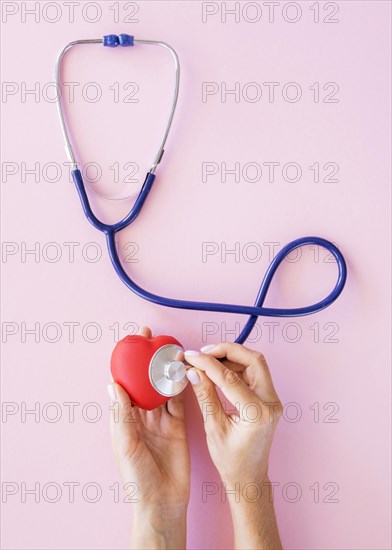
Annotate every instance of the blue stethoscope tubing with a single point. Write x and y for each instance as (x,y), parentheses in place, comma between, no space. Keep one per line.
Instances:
(255,311)
(110,231)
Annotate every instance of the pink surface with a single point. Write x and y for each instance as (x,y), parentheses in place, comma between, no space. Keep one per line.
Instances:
(331,370)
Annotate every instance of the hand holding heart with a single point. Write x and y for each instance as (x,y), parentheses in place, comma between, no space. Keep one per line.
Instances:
(151,449)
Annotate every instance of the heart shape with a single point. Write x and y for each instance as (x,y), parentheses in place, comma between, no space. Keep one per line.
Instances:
(130,368)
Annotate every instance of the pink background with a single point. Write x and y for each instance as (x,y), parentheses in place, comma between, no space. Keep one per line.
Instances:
(347,379)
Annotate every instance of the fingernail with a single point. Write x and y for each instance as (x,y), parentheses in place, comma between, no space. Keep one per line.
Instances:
(191,352)
(112,392)
(193,376)
(207,348)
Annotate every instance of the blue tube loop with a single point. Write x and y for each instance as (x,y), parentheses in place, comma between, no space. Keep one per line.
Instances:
(254,311)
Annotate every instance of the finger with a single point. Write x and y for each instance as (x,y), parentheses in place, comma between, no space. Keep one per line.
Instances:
(123,420)
(146,332)
(235,352)
(180,356)
(253,366)
(153,416)
(175,406)
(210,405)
(232,386)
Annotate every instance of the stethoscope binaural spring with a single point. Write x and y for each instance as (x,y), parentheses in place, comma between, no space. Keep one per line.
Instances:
(110,230)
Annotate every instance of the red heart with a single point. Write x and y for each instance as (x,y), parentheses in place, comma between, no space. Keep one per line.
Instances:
(129,365)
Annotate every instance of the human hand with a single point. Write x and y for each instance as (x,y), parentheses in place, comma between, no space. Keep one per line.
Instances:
(239,442)
(152,452)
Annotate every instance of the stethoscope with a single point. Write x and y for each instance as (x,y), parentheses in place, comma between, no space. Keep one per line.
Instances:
(110,230)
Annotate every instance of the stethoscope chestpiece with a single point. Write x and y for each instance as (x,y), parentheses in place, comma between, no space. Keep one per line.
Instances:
(166,372)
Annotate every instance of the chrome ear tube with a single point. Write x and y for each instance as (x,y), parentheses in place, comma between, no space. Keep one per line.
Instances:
(113,41)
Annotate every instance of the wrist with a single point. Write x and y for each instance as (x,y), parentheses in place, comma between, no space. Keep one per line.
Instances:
(248,493)
(247,487)
(253,515)
(244,472)
(159,512)
(159,525)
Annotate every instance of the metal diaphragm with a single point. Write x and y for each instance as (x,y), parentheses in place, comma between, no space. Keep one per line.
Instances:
(167,374)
